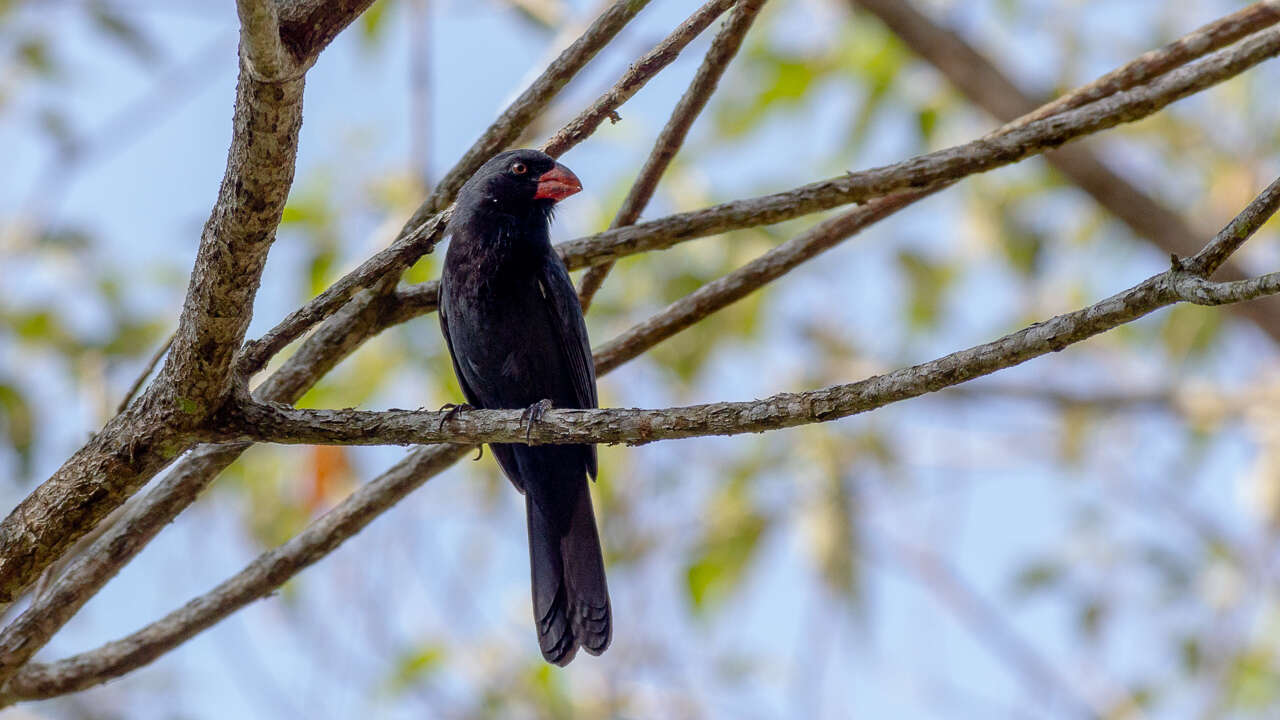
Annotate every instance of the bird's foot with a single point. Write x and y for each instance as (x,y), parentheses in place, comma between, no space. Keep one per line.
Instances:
(453,409)
(533,414)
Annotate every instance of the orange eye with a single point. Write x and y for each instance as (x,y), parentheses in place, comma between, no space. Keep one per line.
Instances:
(519,169)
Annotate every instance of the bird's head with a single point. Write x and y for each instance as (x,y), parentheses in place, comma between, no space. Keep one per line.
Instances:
(516,182)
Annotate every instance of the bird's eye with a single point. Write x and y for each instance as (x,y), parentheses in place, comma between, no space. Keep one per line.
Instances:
(519,169)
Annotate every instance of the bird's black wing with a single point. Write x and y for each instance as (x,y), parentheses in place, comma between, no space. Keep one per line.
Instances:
(467,392)
(567,320)
(504,453)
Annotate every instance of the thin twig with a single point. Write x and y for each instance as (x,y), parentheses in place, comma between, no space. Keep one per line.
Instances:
(1154,63)
(508,126)
(146,373)
(672,136)
(636,76)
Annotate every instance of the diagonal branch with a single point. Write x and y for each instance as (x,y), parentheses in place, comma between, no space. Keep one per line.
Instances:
(984,84)
(1154,63)
(259,422)
(691,104)
(637,75)
(507,127)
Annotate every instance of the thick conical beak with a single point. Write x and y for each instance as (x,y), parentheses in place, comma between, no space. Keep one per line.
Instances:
(557,184)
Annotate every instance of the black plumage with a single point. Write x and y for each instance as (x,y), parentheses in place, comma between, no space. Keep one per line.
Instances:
(516,334)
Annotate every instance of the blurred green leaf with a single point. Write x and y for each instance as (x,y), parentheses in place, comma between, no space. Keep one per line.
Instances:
(17,421)
(415,666)
(373,22)
(732,535)
(1037,577)
(34,54)
(1252,680)
(927,284)
(1188,331)
(123,31)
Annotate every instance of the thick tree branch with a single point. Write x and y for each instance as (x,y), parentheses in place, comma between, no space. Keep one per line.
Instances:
(138,443)
(980,80)
(672,136)
(308,26)
(263,54)
(134,446)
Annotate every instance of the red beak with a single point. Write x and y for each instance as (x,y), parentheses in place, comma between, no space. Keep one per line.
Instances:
(557,184)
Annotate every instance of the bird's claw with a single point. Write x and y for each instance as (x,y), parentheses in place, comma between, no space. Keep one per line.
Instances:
(453,409)
(533,414)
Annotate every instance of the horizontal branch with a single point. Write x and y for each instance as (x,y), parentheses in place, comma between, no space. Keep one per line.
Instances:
(933,168)
(258,422)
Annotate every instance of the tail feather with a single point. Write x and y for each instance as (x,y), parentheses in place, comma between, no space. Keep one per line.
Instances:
(570,595)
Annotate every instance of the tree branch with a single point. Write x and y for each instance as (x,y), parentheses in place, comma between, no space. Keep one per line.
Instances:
(250,421)
(980,80)
(637,75)
(933,168)
(136,445)
(672,136)
(507,128)
(1154,63)
(261,50)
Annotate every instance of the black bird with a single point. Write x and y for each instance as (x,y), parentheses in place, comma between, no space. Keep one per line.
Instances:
(515,332)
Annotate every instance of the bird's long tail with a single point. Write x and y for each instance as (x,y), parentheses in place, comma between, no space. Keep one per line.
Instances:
(570,597)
